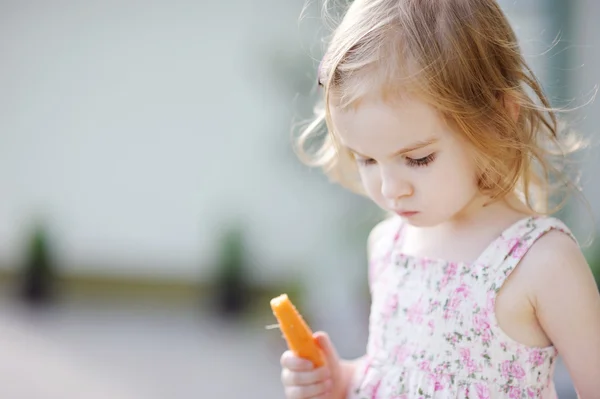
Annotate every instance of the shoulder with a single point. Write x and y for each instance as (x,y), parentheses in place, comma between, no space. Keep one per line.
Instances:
(554,247)
(554,257)
(382,231)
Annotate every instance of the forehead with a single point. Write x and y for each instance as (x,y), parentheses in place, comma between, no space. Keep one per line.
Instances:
(376,123)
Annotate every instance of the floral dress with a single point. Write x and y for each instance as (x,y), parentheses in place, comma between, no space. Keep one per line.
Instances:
(432,329)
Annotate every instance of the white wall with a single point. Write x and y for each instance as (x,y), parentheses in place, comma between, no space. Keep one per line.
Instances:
(135,127)
(530,21)
(586,79)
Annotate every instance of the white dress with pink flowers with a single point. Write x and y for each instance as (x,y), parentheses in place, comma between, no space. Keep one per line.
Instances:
(433,332)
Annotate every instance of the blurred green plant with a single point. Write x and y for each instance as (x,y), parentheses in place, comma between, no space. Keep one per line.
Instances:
(38,274)
(231,281)
(233,292)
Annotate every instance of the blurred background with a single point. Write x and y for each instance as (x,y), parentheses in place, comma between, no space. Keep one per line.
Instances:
(151,203)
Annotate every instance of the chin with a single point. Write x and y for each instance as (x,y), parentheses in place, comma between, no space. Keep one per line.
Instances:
(421,220)
(418,223)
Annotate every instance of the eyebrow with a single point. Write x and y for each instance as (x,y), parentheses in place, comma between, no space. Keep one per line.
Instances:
(413,147)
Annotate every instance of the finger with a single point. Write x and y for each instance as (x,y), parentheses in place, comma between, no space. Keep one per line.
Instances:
(322,339)
(295,363)
(289,377)
(308,391)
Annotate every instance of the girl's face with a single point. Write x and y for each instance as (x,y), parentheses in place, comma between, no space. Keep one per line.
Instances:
(410,162)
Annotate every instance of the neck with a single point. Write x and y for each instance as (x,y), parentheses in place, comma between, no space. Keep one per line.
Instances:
(482,211)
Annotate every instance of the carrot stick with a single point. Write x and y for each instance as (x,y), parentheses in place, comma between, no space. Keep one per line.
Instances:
(296,332)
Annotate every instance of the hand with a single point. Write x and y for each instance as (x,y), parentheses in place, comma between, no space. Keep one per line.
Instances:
(302,381)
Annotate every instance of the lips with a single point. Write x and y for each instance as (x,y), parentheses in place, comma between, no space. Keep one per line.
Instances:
(406,214)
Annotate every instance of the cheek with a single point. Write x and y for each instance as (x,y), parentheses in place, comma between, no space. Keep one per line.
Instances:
(371,181)
(453,177)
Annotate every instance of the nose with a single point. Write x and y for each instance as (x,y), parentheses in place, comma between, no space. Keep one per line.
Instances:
(394,187)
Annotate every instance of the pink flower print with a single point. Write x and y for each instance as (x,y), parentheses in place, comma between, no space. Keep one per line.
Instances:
(424,365)
(465,355)
(471,366)
(531,393)
(506,369)
(390,307)
(367,368)
(514,393)
(451,307)
(431,326)
(536,358)
(401,353)
(481,323)
(519,352)
(454,339)
(490,303)
(483,392)
(518,248)
(415,312)
(437,382)
(440,369)
(482,327)
(375,389)
(486,336)
(455,300)
(463,290)
(510,369)
(450,272)
(517,371)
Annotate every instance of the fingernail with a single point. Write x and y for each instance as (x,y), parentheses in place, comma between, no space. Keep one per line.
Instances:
(328,384)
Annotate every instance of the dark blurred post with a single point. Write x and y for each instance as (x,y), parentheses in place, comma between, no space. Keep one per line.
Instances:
(37,279)
(232,285)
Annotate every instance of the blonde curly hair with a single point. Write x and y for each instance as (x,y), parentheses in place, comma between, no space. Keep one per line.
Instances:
(461,57)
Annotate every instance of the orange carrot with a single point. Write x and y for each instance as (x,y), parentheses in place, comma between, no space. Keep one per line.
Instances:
(296,332)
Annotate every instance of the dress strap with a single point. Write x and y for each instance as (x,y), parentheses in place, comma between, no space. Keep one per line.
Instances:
(385,237)
(505,253)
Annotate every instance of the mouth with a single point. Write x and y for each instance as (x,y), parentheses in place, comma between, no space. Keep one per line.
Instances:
(406,214)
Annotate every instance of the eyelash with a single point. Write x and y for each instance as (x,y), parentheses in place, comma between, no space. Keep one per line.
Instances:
(415,163)
(365,161)
(421,161)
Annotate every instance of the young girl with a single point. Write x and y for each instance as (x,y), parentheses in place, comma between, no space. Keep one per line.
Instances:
(432,112)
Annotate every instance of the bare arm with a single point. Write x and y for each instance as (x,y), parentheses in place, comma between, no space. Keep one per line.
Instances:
(567,305)
(348,370)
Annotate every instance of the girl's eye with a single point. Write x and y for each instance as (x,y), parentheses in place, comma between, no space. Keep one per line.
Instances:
(366,161)
(421,161)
